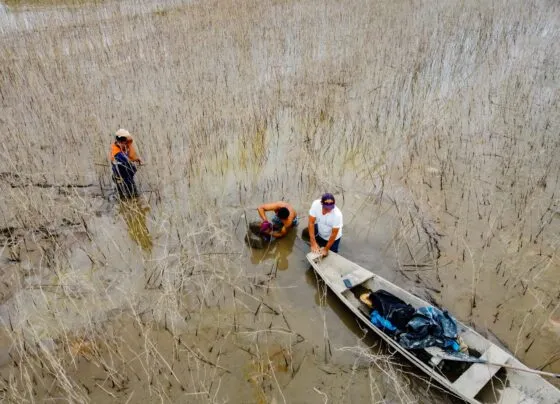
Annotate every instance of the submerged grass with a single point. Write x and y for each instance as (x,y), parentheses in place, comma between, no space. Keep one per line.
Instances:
(445,115)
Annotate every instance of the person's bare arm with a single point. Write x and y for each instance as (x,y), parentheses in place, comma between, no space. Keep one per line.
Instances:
(265,207)
(293,215)
(331,241)
(311,228)
(288,225)
(133,154)
(279,234)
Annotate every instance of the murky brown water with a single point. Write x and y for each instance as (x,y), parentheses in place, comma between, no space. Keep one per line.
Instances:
(448,196)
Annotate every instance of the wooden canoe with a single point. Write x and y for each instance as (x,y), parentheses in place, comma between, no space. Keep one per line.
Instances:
(514,386)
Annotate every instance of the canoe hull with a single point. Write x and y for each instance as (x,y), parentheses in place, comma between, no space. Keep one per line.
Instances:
(338,273)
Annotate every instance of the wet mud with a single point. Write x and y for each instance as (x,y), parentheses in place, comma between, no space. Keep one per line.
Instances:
(161,298)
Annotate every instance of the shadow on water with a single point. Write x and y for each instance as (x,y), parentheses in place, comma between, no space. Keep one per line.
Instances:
(134,212)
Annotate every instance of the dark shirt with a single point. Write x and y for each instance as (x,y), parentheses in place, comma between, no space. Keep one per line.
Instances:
(123,167)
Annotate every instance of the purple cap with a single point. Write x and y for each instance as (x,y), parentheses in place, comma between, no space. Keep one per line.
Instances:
(328,201)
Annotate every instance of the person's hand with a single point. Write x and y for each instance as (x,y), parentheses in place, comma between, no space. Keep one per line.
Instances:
(315,247)
(140,162)
(324,251)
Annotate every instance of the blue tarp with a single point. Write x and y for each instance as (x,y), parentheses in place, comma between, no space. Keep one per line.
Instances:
(382,323)
(430,327)
(413,329)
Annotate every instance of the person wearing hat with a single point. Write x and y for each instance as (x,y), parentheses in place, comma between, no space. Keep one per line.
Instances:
(123,156)
(325,225)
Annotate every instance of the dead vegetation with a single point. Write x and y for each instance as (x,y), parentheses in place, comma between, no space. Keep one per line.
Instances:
(442,118)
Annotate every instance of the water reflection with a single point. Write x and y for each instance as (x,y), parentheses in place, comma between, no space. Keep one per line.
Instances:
(279,250)
(134,212)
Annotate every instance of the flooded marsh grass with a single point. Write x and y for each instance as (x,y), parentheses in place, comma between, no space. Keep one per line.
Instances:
(434,125)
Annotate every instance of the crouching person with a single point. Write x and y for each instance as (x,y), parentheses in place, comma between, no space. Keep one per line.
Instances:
(324,229)
(285,217)
(261,233)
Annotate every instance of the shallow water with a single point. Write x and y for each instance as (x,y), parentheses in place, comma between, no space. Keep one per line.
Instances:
(231,107)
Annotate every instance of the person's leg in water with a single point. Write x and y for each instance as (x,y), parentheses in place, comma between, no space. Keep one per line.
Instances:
(121,189)
(126,189)
(131,189)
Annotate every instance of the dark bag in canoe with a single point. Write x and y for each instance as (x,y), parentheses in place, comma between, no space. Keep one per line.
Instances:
(392,308)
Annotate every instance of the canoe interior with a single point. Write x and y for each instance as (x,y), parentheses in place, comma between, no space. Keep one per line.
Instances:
(481,384)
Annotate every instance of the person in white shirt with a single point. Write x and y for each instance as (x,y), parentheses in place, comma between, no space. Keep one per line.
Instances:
(325,225)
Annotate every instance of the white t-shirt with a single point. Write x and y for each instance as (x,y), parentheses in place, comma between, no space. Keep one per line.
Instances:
(326,223)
